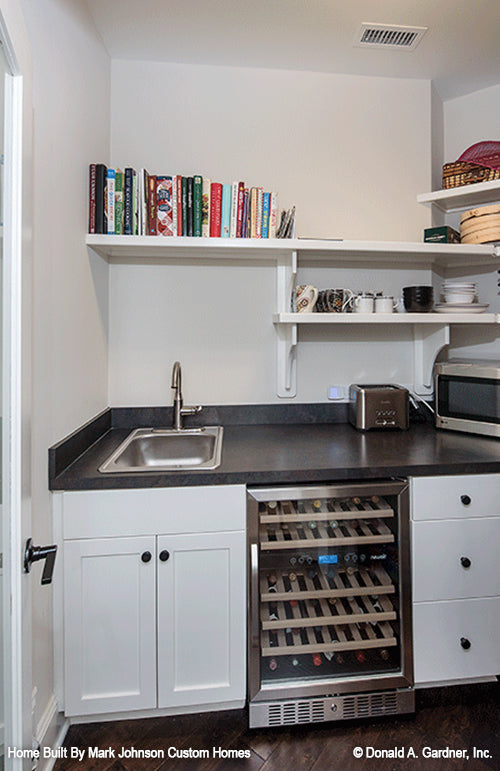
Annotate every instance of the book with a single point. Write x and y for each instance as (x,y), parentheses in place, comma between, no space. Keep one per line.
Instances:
(142,204)
(215,209)
(244,216)
(128,202)
(197,204)
(164,205)
(174,205)
(118,202)
(273,214)
(253,213)
(226,211)
(101,225)
(189,207)
(184,206)
(178,179)
(92,184)
(239,209)
(266,201)
(258,216)
(151,199)
(205,207)
(110,201)
(234,210)
(135,204)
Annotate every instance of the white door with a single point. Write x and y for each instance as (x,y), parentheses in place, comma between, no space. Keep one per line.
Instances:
(201,619)
(15,147)
(109,625)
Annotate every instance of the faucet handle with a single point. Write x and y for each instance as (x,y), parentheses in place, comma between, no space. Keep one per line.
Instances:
(191,410)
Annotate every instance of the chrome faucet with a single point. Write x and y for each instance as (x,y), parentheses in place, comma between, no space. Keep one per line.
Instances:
(179,410)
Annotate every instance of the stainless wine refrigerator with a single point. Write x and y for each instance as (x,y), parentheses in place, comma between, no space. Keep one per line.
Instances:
(329,633)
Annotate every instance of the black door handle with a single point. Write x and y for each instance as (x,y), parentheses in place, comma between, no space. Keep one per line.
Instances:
(36,553)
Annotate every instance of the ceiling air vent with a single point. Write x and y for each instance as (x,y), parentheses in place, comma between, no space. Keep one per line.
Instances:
(389,36)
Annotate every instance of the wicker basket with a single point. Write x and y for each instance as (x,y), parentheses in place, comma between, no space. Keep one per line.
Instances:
(465,173)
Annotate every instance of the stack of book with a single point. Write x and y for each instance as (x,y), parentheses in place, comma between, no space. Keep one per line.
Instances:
(130,203)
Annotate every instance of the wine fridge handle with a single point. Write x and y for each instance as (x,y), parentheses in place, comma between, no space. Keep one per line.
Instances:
(254,594)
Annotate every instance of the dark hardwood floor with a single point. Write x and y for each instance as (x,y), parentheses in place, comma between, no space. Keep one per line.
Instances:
(458,718)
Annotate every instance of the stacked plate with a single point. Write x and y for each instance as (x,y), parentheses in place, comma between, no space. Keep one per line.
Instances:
(460,297)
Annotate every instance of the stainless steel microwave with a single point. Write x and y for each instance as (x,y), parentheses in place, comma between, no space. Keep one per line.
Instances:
(467,394)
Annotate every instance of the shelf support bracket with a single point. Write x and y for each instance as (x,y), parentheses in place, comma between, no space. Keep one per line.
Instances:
(286,334)
(427,343)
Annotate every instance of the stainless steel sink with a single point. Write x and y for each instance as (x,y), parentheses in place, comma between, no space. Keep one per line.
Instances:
(167,449)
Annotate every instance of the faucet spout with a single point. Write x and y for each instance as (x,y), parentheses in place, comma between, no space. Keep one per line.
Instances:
(179,409)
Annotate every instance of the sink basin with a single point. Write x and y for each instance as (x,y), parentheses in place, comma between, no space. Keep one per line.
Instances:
(167,449)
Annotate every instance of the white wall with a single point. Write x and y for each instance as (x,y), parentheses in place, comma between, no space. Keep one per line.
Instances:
(351,152)
(71,129)
(467,120)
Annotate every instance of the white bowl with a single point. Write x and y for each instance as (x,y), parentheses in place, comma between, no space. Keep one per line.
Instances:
(459,297)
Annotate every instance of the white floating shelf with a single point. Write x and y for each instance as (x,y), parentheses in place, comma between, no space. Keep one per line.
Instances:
(464,197)
(440,319)
(398,253)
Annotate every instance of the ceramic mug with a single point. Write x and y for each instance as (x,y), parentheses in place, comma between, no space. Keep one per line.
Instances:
(385,304)
(363,303)
(305,297)
(333,300)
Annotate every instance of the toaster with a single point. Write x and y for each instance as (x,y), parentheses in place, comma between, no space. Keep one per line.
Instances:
(378,406)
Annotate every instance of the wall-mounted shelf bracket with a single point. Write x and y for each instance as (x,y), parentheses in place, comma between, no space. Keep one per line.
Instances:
(428,341)
(286,334)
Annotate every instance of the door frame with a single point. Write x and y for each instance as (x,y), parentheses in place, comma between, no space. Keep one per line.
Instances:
(16,377)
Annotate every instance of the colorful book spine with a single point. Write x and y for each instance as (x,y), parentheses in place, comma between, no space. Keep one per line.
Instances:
(226,211)
(174,205)
(266,203)
(128,214)
(197,204)
(205,208)
(151,196)
(92,198)
(180,231)
(101,225)
(110,201)
(143,202)
(234,210)
(164,205)
(253,212)
(119,202)
(273,215)
(244,216)
(135,204)
(184,206)
(239,209)
(189,207)
(215,209)
(258,224)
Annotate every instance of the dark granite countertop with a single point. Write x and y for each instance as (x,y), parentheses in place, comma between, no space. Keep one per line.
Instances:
(279,453)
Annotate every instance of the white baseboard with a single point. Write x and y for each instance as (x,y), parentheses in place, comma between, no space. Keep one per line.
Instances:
(50,732)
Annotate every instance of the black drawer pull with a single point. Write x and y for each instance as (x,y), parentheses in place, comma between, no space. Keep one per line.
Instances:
(466,500)
(146,556)
(164,555)
(465,562)
(465,643)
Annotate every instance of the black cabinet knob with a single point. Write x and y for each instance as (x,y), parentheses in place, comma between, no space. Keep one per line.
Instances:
(465,562)
(164,555)
(146,556)
(466,500)
(465,643)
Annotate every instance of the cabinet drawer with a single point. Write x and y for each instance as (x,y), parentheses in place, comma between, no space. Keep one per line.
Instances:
(112,513)
(455,559)
(455,497)
(439,628)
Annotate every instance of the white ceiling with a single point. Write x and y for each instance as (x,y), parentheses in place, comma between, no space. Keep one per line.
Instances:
(460,52)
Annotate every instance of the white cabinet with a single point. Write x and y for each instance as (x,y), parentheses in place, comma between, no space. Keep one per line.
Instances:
(153,611)
(109,617)
(200,603)
(456,577)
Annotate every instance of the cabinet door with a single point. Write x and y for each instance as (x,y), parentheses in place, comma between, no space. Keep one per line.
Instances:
(109,625)
(201,619)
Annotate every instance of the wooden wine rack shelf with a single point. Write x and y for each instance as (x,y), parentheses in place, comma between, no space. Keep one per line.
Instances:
(322,612)
(295,535)
(345,583)
(326,510)
(335,639)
